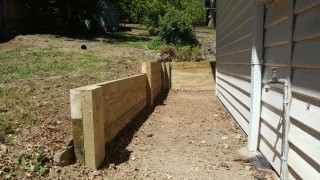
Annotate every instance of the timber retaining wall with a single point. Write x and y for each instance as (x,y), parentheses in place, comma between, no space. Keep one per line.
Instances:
(100,111)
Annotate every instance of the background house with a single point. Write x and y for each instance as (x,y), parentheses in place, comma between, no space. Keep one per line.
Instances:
(284,34)
(3,28)
(17,16)
(13,16)
(210,6)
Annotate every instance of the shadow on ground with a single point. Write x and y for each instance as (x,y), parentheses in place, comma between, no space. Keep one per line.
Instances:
(116,150)
(119,36)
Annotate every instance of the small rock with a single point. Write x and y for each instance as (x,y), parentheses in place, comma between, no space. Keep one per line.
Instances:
(149,135)
(3,150)
(224,138)
(95,173)
(223,164)
(248,168)
(226,146)
(51,127)
(28,174)
(65,157)
(53,173)
(238,136)
(112,166)
(8,176)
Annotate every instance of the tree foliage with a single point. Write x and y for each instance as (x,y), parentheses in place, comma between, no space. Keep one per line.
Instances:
(175,27)
(149,12)
(172,20)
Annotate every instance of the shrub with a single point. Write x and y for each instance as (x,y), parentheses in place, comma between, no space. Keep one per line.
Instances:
(156,43)
(188,53)
(175,27)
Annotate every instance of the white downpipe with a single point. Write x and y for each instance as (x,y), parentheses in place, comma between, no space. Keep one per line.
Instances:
(256,78)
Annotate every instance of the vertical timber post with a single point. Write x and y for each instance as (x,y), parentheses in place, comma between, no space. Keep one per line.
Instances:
(147,69)
(77,123)
(166,76)
(93,126)
(168,71)
(256,77)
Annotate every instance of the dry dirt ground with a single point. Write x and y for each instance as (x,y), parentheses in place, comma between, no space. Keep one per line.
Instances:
(189,135)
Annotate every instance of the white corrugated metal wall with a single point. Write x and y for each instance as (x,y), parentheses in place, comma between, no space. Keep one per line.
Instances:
(304,137)
(277,53)
(291,44)
(234,37)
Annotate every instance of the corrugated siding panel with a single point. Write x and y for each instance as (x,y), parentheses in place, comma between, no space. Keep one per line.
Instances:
(233,102)
(296,55)
(304,137)
(271,127)
(277,53)
(234,44)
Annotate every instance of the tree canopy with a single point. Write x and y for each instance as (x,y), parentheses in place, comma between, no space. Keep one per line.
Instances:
(69,15)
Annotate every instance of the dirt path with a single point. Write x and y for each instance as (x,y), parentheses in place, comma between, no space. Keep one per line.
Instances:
(189,136)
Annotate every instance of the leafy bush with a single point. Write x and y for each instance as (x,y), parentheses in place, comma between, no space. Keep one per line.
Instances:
(149,12)
(176,27)
(188,53)
(156,43)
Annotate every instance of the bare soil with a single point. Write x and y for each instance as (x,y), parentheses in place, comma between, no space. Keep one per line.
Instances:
(188,135)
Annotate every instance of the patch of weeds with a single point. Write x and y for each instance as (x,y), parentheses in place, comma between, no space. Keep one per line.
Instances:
(2,90)
(139,44)
(156,43)
(134,41)
(7,128)
(180,54)
(39,64)
(9,55)
(6,125)
(35,65)
(188,53)
(33,164)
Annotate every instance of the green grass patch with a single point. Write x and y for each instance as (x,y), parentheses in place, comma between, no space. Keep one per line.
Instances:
(21,65)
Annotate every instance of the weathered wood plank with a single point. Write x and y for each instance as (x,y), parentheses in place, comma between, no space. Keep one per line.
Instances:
(115,108)
(118,125)
(192,76)
(115,88)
